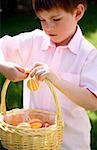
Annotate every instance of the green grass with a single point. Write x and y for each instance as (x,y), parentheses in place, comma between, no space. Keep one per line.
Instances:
(27,22)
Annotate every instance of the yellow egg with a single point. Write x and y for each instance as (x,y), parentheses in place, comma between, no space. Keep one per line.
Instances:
(33,84)
(23,125)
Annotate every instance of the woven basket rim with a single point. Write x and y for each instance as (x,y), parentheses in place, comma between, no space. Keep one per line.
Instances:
(27,131)
(4,124)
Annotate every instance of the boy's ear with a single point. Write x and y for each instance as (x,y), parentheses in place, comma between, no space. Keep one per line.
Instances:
(79,12)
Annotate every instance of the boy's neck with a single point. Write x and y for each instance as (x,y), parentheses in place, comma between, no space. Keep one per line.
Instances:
(65,42)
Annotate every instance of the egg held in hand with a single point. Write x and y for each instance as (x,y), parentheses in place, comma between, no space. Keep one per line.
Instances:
(33,84)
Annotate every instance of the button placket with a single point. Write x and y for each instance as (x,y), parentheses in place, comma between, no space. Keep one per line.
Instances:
(55,64)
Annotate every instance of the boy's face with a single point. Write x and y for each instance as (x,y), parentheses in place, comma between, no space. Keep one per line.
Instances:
(58,24)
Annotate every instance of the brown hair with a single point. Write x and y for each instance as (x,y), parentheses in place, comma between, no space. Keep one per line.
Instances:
(67,5)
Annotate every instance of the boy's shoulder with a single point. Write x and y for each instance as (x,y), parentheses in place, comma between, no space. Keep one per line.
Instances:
(86,50)
(26,35)
(86,46)
(35,35)
(39,33)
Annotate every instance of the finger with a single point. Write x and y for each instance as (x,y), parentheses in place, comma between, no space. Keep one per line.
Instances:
(22,76)
(22,73)
(33,72)
(39,73)
(36,64)
(27,71)
(42,75)
(19,77)
(21,69)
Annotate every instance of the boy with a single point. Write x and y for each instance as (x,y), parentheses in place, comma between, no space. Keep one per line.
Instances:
(62,55)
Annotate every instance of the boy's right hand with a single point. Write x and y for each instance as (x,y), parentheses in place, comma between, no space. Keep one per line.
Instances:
(13,71)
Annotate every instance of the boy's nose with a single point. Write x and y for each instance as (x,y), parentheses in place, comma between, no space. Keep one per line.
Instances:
(49,26)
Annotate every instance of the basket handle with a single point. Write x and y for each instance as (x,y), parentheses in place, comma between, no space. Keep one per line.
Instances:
(3,95)
(57,105)
(50,85)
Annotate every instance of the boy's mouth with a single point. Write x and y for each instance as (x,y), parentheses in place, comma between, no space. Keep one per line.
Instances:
(52,35)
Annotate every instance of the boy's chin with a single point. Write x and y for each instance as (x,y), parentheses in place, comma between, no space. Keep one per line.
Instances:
(55,41)
(59,43)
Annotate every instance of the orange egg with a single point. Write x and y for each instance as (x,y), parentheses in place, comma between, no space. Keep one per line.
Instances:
(35,123)
(13,119)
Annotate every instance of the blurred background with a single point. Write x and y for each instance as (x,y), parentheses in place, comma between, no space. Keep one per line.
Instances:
(17,16)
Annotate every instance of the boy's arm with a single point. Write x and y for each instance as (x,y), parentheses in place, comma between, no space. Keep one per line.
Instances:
(81,96)
(12,71)
(17,49)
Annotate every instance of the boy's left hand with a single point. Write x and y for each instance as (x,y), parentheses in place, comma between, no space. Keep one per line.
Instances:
(40,70)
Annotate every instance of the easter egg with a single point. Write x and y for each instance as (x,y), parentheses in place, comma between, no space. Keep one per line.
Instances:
(45,125)
(23,125)
(33,84)
(35,123)
(13,119)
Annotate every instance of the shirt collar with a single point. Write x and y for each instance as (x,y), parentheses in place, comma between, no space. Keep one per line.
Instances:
(47,43)
(73,45)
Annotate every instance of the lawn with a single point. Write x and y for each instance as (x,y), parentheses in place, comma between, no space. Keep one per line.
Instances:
(27,22)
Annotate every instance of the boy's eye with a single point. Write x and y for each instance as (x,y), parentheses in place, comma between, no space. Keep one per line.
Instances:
(42,20)
(57,19)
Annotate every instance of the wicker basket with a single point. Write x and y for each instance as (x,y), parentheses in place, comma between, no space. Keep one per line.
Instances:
(49,138)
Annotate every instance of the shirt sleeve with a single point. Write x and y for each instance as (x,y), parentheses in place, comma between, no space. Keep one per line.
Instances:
(17,49)
(88,78)
(1,56)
